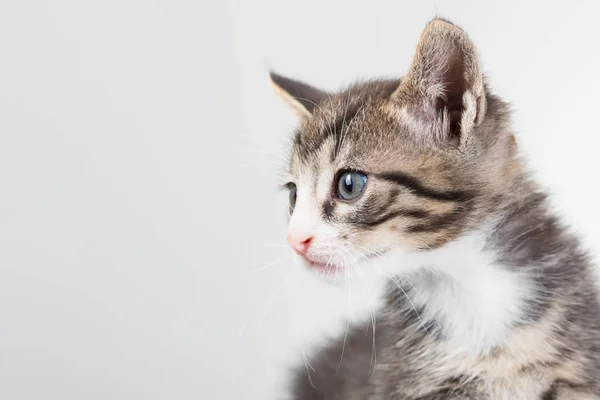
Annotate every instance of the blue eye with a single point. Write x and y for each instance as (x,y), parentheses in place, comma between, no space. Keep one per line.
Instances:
(351,185)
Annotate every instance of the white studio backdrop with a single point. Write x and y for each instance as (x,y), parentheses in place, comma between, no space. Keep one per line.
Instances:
(142,251)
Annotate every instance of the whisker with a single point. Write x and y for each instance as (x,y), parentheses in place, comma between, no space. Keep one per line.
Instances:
(268,244)
(275,295)
(270,264)
(422,297)
(310,101)
(403,276)
(348,323)
(373,362)
(341,138)
(412,305)
(306,365)
(343,135)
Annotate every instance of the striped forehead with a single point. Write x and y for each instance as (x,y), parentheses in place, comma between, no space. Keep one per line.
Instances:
(339,114)
(328,126)
(315,172)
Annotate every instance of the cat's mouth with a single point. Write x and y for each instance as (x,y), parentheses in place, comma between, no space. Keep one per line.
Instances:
(324,267)
(329,267)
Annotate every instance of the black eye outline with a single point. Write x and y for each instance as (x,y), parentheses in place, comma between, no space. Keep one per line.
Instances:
(293,194)
(345,174)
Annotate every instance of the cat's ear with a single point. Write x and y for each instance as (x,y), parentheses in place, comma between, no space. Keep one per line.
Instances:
(443,92)
(302,97)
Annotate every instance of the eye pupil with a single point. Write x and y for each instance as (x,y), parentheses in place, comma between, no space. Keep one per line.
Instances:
(348,182)
(351,185)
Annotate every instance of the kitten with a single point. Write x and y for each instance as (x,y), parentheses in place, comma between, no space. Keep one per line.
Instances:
(419,180)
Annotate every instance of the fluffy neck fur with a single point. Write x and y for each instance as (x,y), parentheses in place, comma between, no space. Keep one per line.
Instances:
(506,273)
(463,292)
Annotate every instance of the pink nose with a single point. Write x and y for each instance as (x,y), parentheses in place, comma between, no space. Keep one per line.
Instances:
(300,243)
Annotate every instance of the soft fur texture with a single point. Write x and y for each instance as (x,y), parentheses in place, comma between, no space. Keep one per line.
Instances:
(488,295)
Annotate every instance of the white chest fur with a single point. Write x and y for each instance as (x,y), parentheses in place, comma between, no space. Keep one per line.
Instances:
(466,293)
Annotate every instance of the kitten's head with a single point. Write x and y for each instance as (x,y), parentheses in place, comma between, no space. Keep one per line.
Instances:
(387,168)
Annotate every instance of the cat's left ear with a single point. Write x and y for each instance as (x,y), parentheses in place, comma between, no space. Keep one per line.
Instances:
(443,94)
(303,98)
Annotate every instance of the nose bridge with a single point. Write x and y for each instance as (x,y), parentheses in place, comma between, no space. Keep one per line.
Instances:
(305,223)
(301,228)
(303,217)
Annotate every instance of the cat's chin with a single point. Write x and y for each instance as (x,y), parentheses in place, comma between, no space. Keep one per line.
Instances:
(326,270)
(369,269)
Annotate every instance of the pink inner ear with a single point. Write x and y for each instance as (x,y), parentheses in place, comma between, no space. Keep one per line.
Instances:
(444,69)
(455,86)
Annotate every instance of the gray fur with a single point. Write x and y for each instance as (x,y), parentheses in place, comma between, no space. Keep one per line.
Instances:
(463,158)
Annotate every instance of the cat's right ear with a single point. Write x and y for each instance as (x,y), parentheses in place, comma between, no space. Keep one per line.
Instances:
(303,98)
(443,93)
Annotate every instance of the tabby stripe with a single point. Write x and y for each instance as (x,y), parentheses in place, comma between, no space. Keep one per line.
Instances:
(452,388)
(549,394)
(437,223)
(370,223)
(419,189)
(376,210)
(346,119)
(328,208)
(335,129)
(552,393)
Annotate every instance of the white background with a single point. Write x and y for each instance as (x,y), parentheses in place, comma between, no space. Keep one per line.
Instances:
(140,145)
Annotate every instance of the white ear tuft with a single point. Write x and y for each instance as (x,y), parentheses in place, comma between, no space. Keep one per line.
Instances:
(444,88)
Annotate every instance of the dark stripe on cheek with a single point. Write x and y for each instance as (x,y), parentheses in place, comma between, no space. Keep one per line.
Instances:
(437,223)
(549,394)
(328,208)
(419,189)
(552,392)
(378,220)
(415,213)
(377,209)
